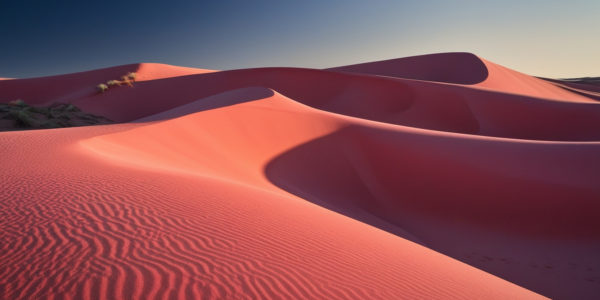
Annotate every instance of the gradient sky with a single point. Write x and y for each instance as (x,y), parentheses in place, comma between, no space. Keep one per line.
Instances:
(548,38)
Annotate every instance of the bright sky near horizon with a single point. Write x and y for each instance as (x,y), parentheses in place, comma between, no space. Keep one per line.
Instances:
(547,38)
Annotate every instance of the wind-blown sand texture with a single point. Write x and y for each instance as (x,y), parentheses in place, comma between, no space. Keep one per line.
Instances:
(434,177)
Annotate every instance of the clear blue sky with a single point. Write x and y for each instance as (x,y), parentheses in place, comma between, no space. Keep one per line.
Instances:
(544,38)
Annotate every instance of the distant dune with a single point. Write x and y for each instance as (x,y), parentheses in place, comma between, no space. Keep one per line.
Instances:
(441,176)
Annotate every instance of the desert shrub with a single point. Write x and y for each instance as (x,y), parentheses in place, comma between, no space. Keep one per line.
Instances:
(40,110)
(102,88)
(126,80)
(113,83)
(132,76)
(24,117)
(57,115)
(18,103)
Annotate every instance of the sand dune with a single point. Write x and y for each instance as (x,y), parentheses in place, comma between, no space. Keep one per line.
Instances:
(464,68)
(422,104)
(70,87)
(434,177)
(459,68)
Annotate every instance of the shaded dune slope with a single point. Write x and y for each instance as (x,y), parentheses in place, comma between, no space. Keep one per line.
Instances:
(419,180)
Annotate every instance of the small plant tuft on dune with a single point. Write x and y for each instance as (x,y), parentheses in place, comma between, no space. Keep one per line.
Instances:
(132,76)
(19,102)
(102,88)
(113,83)
(126,79)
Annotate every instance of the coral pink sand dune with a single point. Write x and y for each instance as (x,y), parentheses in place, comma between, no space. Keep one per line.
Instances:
(464,68)
(435,177)
(70,87)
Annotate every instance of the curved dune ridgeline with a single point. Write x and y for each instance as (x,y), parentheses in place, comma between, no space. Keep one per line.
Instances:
(435,177)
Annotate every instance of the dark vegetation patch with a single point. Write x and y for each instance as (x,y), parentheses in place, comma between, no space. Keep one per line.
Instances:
(17,115)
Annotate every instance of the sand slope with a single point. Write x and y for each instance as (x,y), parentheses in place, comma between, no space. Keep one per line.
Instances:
(308,184)
(70,87)
(464,68)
